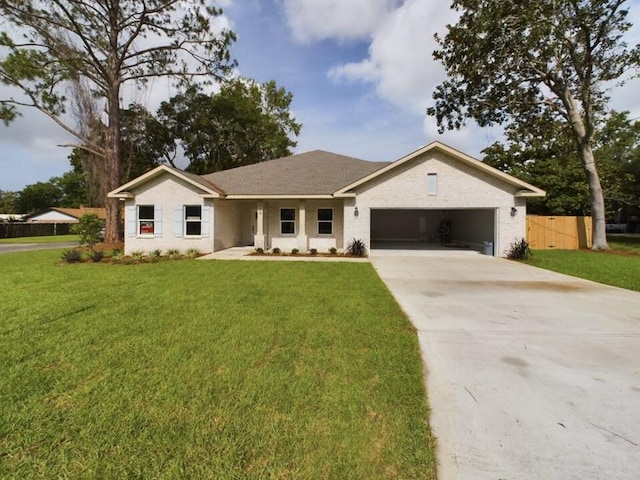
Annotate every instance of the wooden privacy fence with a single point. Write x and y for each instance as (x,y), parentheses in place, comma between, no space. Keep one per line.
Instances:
(568,233)
(15,230)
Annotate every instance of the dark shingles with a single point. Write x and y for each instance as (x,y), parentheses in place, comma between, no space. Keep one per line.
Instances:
(311,173)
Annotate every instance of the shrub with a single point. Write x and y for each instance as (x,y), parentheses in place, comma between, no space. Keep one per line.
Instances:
(333,250)
(357,248)
(193,252)
(313,251)
(89,228)
(117,252)
(259,250)
(519,250)
(71,256)
(295,251)
(155,254)
(276,251)
(96,255)
(137,255)
(173,253)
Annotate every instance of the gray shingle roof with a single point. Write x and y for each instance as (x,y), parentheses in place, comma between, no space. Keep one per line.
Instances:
(311,173)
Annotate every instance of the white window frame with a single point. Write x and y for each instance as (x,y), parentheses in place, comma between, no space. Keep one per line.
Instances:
(282,222)
(188,220)
(140,220)
(432,183)
(330,222)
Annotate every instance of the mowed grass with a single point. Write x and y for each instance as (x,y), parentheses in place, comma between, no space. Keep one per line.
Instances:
(207,369)
(624,242)
(47,239)
(608,268)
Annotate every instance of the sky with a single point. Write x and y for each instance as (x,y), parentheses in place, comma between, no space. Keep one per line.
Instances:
(360,71)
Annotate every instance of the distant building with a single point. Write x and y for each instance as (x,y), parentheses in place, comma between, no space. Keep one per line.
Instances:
(63,215)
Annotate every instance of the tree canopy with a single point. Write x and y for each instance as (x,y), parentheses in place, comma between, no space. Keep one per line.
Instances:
(518,62)
(244,123)
(104,44)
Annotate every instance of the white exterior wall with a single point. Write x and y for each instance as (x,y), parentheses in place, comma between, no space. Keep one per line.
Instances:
(52,217)
(227,224)
(459,186)
(168,193)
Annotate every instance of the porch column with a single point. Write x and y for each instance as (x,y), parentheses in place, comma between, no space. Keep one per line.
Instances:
(259,240)
(303,243)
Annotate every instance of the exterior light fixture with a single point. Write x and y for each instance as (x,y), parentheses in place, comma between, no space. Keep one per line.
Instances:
(514,211)
(356,212)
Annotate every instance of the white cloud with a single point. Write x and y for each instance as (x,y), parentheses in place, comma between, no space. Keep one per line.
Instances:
(336,19)
(400,62)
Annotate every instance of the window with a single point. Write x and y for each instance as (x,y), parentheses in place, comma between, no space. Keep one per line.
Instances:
(325,221)
(287,221)
(146,220)
(193,220)
(432,183)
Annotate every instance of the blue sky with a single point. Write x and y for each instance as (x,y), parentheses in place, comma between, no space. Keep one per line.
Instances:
(360,71)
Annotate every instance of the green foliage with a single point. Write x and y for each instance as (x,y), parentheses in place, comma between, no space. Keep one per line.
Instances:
(357,248)
(137,255)
(543,154)
(333,250)
(38,196)
(259,250)
(242,124)
(193,252)
(155,254)
(313,251)
(8,202)
(519,250)
(71,256)
(295,251)
(89,228)
(96,255)
(276,251)
(173,253)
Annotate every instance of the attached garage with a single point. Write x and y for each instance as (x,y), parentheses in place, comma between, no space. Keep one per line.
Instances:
(432,228)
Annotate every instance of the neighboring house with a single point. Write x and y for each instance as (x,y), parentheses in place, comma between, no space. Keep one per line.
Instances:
(11,217)
(322,200)
(63,215)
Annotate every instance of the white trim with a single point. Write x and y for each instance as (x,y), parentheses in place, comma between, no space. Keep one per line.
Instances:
(456,154)
(277,197)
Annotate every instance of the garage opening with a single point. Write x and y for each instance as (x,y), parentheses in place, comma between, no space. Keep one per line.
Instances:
(425,229)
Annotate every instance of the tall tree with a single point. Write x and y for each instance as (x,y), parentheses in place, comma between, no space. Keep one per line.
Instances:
(106,43)
(8,201)
(244,123)
(511,62)
(543,153)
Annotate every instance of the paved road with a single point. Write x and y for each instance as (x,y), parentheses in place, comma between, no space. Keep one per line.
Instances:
(24,247)
(530,374)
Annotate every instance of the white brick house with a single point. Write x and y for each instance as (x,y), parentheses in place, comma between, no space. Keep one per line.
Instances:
(321,200)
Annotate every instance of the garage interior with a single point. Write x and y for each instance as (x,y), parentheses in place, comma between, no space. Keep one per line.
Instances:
(436,229)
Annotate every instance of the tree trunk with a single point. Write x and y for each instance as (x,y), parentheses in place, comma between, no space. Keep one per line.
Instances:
(112,169)
(599,234)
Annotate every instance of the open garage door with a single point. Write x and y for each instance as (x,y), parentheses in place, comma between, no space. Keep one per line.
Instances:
(432,229)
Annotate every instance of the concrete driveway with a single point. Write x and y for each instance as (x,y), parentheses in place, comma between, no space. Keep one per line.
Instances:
(530,374)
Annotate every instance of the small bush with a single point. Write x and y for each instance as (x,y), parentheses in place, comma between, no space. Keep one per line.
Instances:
(313,251)
(259,250)
(155,254)
(276,251)
(357,248)
(89,228)
(333,250)
(71,256)
(117,252)
(96,255)
(173,253)
(193,252)
(295,251)
(137,255)
(519,250)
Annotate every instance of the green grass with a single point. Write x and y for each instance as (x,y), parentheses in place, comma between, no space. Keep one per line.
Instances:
(628,243)
(207,369)
(611,269)
(49,239)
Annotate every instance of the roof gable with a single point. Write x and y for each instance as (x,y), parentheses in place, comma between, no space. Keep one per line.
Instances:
(526,189)
(209,189)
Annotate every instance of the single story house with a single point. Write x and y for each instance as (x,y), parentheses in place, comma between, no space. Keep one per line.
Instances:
(63,215)
(322,200)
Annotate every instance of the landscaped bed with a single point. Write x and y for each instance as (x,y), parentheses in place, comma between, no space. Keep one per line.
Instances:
(207,369)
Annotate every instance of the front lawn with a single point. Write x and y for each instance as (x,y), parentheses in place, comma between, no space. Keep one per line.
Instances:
(603,267)
(625,242)
(207,369)
(45,239)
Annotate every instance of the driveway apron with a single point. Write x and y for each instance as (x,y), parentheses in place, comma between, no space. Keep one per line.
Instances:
(530,374)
